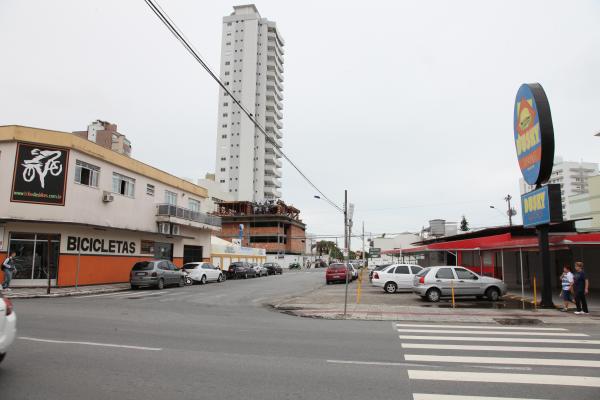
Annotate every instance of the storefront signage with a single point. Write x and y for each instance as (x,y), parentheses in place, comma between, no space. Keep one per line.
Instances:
(40,174)
(542,206)
(375,252)
(533,134)
(95,245)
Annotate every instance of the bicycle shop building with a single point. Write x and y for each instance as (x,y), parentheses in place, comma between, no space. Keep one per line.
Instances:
(84,214)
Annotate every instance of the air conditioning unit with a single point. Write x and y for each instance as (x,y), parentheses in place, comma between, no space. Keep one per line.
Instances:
(174,229)
(107,197)
(164,228)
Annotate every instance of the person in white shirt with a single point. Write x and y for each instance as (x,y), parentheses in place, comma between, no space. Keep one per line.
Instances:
(8,268)
(567,287)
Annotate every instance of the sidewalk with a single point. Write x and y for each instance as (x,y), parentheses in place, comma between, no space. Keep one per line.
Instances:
(31,293)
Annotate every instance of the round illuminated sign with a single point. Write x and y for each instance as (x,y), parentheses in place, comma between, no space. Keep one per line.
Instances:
(534,134)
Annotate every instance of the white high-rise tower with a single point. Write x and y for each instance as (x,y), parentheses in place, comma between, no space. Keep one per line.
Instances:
(247,165)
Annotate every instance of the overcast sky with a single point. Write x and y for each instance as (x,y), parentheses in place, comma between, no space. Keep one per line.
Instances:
(408,105)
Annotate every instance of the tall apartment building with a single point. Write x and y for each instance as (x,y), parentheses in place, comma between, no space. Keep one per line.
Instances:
(572,177)
(247,165)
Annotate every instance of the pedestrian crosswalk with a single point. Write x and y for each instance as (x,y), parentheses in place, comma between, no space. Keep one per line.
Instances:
(455,360)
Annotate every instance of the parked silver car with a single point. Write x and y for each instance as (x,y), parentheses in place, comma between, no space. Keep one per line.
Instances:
(435,282)
(156,273)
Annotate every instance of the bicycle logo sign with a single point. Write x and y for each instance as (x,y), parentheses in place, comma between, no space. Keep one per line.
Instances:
(44,162)
(40,174)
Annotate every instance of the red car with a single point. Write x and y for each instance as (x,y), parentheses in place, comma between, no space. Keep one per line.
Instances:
(338,273)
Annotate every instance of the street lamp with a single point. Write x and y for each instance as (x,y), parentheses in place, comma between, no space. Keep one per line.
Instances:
(347,211)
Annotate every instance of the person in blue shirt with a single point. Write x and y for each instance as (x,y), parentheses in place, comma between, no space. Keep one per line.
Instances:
(8,267)
(581,285)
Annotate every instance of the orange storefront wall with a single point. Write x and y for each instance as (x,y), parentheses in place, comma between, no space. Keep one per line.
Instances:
(2,258)
(95,270)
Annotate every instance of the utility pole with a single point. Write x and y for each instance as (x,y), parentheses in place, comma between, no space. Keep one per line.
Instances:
(347,246)
(508,198)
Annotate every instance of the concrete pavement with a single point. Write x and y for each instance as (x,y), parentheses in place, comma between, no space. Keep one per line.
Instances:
(220,341)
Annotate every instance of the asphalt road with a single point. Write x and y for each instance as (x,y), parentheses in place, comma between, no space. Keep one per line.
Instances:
(219,341)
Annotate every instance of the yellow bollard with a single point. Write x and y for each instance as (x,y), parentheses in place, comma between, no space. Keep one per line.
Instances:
(452,289)
(534,293)
(359,288)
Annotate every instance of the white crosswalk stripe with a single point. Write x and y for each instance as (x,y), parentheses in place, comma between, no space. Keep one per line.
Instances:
(437,347)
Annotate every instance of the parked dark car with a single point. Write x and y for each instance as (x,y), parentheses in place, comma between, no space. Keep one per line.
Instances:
(273,268)
(377,268)
(155,273)
(240,269)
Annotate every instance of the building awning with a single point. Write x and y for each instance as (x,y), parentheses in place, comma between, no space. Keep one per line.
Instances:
(504,241)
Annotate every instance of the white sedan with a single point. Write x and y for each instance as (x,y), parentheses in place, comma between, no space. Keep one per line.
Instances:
(203,272)
(8,325)
(396,277)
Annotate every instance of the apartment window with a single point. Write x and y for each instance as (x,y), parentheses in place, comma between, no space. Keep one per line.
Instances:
(222,169)
(225,104)
(224,136)
(224,126)
(123,185)
(150,190)
(228,43)
(223,158)
(226,72)
(222,181)
(229,24)
(227,62)
(225,114)
(193,204)
(86,174)
(170,197)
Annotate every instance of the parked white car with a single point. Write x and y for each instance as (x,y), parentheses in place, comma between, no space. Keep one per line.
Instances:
(203,272)
(8,325)
(396,277)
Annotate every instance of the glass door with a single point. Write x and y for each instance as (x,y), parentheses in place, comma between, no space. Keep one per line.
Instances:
(36,256)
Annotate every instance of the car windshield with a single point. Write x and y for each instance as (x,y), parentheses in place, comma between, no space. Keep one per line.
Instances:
(190,266)
(143,266)
(423,272)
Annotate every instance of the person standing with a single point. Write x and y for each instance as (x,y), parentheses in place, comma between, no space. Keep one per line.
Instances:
(567,287)
(8,268)
(581,286)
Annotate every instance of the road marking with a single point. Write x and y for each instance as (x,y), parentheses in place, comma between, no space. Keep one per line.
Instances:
(120,346)
(478,327)
(386,364)
(426,396)
(498,339)
(106,294)
(495,377)
(494,332)
(503,360)
(500,348)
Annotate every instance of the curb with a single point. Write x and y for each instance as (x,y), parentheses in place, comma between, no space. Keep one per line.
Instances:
(66,294)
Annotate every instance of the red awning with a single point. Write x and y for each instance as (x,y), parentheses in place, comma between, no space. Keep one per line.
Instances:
(503,241)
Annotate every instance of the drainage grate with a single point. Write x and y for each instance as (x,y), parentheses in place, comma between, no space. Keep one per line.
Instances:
(517,321)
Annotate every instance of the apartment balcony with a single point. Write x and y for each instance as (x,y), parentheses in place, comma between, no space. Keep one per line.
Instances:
(274,101)
(183,216)
(274,60)
(272,192)
(274,75)
(272,159)
(273,132)
(271,169)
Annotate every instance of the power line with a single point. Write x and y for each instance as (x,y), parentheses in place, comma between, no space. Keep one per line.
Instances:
(168,22)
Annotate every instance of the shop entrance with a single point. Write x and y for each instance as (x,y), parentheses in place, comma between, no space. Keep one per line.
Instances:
(37,256)
(164,251)
(192,254)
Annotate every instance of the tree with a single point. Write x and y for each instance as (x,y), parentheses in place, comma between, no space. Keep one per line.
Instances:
(327,247)
(464,224)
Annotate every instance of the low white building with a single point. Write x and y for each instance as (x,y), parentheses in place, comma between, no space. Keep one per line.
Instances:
(84,214)
(395,244)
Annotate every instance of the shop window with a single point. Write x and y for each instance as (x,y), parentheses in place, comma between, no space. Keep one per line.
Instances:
(170,198)
(150,190)
(147,247)
(194,205)
(123,185)
(86,174)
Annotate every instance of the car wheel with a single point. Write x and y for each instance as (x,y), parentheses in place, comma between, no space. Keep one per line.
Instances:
(2,355)
(220,278)
(390,287)
(161,284)
(433,295)
(134,287)
(181,282)
(203,280)
(493,294)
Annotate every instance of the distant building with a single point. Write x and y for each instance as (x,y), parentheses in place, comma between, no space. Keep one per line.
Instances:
(586,206)
(105,134)
(392,246)
(247,166)
(271,225)
(572,177)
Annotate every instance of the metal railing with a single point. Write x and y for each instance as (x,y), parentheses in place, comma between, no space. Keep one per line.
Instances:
(184,213)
